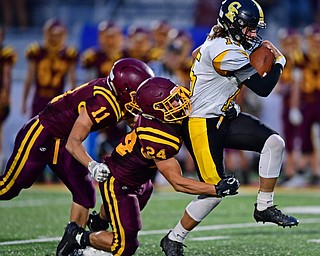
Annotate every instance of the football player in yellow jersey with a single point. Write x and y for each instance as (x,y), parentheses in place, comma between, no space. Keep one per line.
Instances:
(220,69)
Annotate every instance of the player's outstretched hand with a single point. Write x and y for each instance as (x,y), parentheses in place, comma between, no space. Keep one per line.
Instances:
(228,186)
(98,171)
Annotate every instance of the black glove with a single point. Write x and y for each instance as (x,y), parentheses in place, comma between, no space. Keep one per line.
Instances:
(233,111)
(228,186)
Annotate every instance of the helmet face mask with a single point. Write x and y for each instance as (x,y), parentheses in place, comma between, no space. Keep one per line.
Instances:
(161,99)
(132,106)
(242,20)
(176,106)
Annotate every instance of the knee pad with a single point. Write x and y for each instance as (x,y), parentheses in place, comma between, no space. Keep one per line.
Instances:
(199,208)
(271,157)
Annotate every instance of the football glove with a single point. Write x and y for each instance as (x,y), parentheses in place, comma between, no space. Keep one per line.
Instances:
(228,186)
(98,171)
(233,111)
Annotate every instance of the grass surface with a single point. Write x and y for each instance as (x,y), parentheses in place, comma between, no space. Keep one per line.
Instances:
(33,223)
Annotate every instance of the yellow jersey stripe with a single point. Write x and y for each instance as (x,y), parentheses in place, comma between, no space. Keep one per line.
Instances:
(158,132)
(110,98)
(199,140)
(158,140)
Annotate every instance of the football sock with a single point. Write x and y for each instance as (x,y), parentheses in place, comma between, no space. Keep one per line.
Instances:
(179,233)
(83,238)
(264,200)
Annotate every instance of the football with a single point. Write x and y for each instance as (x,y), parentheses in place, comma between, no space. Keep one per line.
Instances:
(262,59)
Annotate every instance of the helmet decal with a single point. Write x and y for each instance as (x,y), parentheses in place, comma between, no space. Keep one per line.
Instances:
(241,18)
(233,10)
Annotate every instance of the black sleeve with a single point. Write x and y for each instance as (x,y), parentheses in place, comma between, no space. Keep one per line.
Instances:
(263,86)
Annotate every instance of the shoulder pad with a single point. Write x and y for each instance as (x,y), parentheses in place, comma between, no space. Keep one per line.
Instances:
(72,52)
(32,49)
(9,54)
(88,56)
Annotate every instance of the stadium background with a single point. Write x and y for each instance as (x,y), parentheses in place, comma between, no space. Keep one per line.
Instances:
(82,16)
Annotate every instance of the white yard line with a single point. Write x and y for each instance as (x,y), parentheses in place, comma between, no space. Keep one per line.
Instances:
(164,231)
(209,238)
(314,241)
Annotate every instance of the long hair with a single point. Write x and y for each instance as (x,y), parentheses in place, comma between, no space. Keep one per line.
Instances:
(217,31)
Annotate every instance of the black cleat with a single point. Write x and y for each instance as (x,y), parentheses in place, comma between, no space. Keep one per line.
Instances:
(272,214)
(95,223)
(171,248)
(68,243)
(77,252)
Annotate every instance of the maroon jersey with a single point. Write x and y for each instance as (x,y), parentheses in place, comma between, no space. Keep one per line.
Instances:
(100,61)
(102,107)
(132,161)
(51,71)
(310,86)
(287,77)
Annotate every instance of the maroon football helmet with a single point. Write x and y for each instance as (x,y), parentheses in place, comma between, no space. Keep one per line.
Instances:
(125,77)
(161,99)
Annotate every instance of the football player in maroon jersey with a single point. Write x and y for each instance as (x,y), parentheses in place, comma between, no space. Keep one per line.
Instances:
(48,66)
(306,98)
(55,136)
(150,146)
(98,60)
(290,41)
(8,58)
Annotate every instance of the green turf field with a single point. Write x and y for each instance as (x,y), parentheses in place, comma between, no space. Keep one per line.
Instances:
(31,225)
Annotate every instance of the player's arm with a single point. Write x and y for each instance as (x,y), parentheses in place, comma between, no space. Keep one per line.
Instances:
(171,170)
(79,132)
(72,76)
(295,115)
(195,52)
(7,78)
(263,86)
(31,73)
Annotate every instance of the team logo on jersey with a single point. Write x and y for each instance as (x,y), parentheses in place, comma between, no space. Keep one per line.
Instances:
(233,10)
(42,149)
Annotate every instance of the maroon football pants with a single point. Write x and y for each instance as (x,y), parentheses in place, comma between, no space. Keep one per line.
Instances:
(34,148)
(123,206)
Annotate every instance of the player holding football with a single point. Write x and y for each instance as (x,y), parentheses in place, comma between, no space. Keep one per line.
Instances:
(150,146)
(55,136)
(220,69)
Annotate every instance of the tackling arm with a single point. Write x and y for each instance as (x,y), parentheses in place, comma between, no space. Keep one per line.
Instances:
(171,170)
